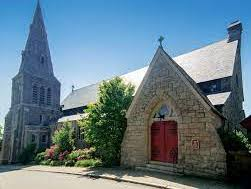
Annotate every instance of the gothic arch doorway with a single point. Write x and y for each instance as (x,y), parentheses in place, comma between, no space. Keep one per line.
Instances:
(164,136)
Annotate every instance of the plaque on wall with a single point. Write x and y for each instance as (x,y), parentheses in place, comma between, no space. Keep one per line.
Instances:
(195,144)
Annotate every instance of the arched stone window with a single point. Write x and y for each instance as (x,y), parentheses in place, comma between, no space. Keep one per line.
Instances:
(163,112)
(34,94)
(48,96)
(42,94)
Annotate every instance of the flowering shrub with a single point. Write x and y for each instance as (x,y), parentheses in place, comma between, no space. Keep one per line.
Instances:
(63,155)
(81,154)
(80,158)
(52,152)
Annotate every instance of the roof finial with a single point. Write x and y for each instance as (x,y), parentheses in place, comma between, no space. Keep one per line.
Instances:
(161,39)
(72,88)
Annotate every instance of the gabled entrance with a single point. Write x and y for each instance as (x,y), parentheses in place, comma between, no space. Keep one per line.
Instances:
(164,141)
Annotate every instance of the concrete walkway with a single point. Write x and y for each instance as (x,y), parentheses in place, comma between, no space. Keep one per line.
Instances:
(157,180)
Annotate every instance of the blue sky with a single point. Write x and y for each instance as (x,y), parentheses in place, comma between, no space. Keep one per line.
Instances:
(97,39)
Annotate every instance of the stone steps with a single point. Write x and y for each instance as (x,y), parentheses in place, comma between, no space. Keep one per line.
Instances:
(161,168)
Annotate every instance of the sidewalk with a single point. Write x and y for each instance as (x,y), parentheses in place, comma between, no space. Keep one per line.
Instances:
(138,177)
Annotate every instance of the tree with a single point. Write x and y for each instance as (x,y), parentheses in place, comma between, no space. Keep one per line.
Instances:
(105,123)
(1,136)
(63,138)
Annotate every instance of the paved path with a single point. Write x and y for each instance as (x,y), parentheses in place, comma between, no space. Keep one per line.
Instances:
(115,177)
(23,179)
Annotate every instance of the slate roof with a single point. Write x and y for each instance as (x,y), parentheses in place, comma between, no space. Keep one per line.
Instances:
(211,62)
(71,118)
(81,97)
(207,63)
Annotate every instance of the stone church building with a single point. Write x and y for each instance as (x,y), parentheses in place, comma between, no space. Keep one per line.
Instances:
(35,100)
(179,105)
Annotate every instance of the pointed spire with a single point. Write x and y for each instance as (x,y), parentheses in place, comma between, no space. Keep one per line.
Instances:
(38,17)
(37,28)
(36,56)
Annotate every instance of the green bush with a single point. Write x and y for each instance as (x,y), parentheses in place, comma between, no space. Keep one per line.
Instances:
(105,123)
(81,154)
(235,141)
(45,162)
(63,138)
(88,163)
(55,163)
(40,157)
(69,163)
(28,154)
(73,155)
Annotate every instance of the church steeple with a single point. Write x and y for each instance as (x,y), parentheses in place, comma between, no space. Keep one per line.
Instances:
(36,57)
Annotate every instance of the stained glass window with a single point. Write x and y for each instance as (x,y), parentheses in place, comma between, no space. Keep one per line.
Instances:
(163,112)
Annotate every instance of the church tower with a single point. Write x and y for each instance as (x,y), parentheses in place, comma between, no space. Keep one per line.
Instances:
(35,101)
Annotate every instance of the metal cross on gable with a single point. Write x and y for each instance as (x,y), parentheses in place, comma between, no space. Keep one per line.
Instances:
(72,88)
(161,39)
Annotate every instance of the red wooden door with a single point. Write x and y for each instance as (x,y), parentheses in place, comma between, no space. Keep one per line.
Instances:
(157,145)
(164,141)
(171,142)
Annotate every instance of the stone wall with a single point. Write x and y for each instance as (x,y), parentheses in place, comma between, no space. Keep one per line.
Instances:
(24,112)
(38,132)
(233,108)
(196,120)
